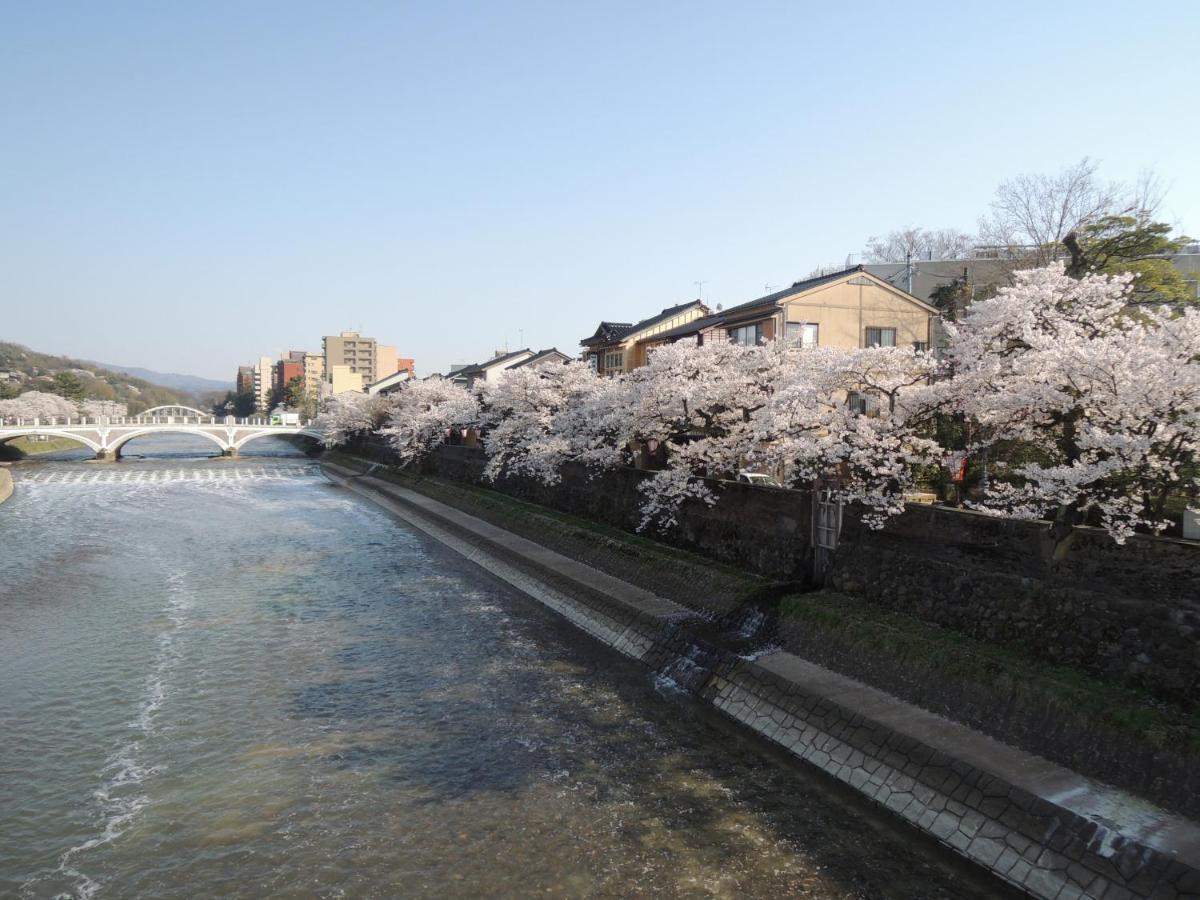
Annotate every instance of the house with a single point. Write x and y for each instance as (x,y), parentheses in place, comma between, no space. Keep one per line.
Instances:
(492,370)
(850,308)
(542,357)
(618,346)
(390,383)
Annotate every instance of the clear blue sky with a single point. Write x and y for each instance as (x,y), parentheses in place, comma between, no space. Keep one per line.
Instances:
(185,186)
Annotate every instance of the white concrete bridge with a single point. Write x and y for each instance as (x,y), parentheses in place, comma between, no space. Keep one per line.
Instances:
(106,435)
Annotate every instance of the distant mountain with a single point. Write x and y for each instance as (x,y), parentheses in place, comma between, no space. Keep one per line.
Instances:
(192,384)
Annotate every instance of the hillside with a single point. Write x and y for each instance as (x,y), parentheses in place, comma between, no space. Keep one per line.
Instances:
(22,369)
(189,384)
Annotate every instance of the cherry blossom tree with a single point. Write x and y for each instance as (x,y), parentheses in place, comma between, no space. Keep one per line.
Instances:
(533,423)
(37,405)
(859,420)
(350,414)
(1104,401)
(421,414)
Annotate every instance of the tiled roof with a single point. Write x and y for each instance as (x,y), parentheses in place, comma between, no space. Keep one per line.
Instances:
(479,367)
(693,327)
(540,356)
(615,331)
(609,331)
(796,288)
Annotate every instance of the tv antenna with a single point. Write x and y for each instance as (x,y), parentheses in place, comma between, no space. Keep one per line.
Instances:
(700,285)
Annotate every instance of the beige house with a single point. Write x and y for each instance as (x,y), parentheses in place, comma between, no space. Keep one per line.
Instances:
(850,308)
(621,346)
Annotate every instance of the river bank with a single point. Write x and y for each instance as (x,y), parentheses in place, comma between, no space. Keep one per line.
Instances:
(1037,825)
(6,483)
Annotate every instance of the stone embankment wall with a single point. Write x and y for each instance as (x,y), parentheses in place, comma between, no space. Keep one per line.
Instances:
(6,483)
(1129,612)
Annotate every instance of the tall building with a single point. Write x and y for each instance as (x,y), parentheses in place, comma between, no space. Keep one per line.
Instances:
(264,371)
(354,351)
(385,362)
(314,374)
(286,370)
(245,380)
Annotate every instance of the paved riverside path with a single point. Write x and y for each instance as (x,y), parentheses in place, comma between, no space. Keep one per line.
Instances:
(1038,825)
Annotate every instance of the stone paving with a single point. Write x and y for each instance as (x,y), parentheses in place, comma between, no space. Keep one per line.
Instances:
(1038,826)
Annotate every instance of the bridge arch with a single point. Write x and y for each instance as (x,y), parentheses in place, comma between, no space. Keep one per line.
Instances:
(121,440)
(173,410)
(316,436)
(35,432)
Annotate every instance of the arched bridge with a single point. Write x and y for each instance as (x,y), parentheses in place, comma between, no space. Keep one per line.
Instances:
(105,435)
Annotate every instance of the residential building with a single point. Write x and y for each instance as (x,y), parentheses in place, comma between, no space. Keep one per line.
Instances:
(340,379)
(352,350)
(385,362)
(264,372)
(492,370)
(245,380)
(314,373)
(287,369)
(617,346)
(987,267)
(850,308)
(544,357)
(406,364)
(389,383)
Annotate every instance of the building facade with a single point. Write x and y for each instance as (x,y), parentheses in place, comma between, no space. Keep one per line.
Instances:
(848,309)
(618,347)
(353,351)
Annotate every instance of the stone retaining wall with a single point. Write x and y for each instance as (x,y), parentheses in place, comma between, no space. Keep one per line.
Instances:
(1130,613)
(6,483)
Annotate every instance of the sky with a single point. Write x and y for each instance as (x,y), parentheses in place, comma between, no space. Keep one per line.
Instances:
(188,186)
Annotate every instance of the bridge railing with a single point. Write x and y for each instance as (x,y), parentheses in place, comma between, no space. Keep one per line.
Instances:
(108,421)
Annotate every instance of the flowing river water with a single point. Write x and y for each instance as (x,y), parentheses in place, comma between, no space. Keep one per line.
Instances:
(232,678)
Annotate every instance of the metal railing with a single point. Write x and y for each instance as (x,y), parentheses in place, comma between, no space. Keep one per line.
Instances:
(81,421)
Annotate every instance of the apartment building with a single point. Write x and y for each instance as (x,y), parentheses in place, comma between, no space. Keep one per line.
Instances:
(314,373)
(355,352)
(264,375)
(245,380)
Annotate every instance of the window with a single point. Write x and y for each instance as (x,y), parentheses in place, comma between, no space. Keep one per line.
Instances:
(880,337)
(594,361)
(747,335)
(614,360)
(863,404)
(920,346)
(805,332)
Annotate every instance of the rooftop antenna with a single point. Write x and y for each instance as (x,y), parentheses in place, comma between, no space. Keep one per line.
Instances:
(700,284)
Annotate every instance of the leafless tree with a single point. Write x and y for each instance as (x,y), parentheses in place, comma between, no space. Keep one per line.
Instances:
(1032,214)
(917,244)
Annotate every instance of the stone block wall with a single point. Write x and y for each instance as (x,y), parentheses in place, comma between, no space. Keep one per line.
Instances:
(1128,612)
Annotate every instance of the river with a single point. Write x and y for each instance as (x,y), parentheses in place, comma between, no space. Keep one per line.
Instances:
(232,678)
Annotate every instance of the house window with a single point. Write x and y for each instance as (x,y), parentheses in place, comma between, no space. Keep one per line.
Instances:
(881,337)
(863,404)
(804,332)
(920,346)
(614,360)
(747,335)
(594,361)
